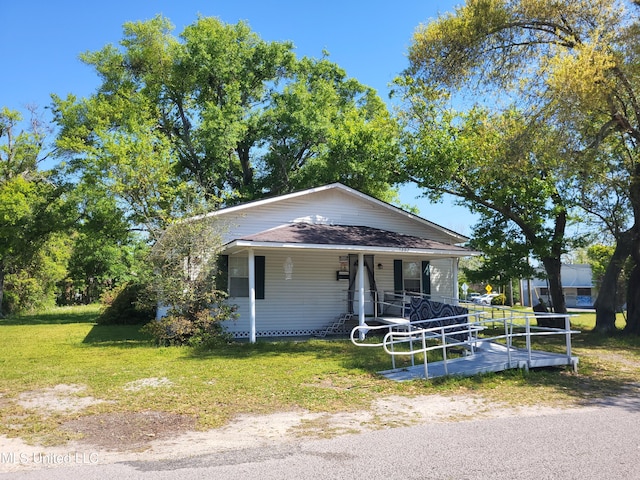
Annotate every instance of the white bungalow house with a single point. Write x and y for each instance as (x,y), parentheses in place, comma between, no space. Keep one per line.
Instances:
(298,261)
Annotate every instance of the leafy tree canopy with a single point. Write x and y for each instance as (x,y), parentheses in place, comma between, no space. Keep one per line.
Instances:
(33,205)
(217,116)
(570,67)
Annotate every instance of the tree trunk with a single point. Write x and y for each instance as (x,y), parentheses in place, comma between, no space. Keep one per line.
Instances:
(552,267)
(633,302)
(633,290)
(511,303)
(606,302)
(245,163)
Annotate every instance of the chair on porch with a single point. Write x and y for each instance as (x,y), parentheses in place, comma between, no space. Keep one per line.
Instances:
(336,326)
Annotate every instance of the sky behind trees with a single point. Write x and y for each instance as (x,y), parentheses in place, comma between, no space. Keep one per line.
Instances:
(369,40)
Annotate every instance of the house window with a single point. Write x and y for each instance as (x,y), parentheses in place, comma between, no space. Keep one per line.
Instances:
(411,277)
(584,292)
(238,277)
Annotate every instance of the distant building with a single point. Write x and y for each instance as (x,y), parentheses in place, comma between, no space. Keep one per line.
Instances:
(577,286)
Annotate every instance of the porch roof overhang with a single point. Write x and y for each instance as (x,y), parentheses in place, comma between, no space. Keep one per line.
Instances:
(346,238)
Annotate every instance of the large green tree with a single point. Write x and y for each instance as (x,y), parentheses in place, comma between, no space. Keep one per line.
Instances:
(572,65)
(217,116)
(32,203)
(499,166)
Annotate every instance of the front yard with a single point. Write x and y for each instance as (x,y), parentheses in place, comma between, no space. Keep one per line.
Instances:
(63,377)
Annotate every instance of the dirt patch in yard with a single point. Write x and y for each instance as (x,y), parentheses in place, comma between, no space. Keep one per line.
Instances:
(128,431)
(59,399)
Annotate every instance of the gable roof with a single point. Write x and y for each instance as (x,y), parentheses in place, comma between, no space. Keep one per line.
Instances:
(456,237)
(306,235)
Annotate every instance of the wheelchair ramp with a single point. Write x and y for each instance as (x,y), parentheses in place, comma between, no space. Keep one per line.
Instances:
(488,357)
(486,344)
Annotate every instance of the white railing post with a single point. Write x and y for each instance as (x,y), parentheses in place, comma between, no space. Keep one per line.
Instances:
(444,350)
(508,338)
(527,329)
(472,335)
(411,349)
(393,357)
(567,327)
(424,353)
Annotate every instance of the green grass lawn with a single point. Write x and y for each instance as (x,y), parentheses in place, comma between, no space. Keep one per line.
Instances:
(66,347)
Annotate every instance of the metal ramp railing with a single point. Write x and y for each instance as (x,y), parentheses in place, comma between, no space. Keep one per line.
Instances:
(480,354)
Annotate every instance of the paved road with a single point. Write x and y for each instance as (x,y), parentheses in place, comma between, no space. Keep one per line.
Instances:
(600,442)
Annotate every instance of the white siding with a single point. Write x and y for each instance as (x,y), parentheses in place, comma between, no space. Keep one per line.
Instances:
(300,306)
(313,298)
(324,207)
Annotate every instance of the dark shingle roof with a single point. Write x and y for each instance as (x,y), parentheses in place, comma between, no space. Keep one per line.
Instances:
(346,235)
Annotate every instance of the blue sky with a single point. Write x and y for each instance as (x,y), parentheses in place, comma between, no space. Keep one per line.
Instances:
(41,41)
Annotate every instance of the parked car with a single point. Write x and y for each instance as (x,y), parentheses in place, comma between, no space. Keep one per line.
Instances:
(485,299)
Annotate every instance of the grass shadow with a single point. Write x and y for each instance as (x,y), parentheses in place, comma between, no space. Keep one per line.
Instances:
(351,357)
(56,316)
(318,348)
(123,336)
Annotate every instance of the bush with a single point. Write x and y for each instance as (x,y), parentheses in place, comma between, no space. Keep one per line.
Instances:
(499,300)
(203,331)
(185,267)
(122,305)
(171,330)
(26,294)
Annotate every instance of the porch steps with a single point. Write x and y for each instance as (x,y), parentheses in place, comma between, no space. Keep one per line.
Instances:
(335,327)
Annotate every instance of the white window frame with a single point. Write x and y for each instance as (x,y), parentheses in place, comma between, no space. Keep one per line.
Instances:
(238,277)
(413,275)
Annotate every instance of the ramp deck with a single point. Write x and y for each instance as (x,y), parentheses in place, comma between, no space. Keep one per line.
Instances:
(481,354)
(488,357)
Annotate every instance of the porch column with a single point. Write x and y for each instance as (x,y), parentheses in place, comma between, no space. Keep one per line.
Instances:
(252,296)
(456,293)
(361,292)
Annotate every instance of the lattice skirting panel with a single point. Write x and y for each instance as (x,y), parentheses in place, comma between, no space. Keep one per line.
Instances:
(283,333)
